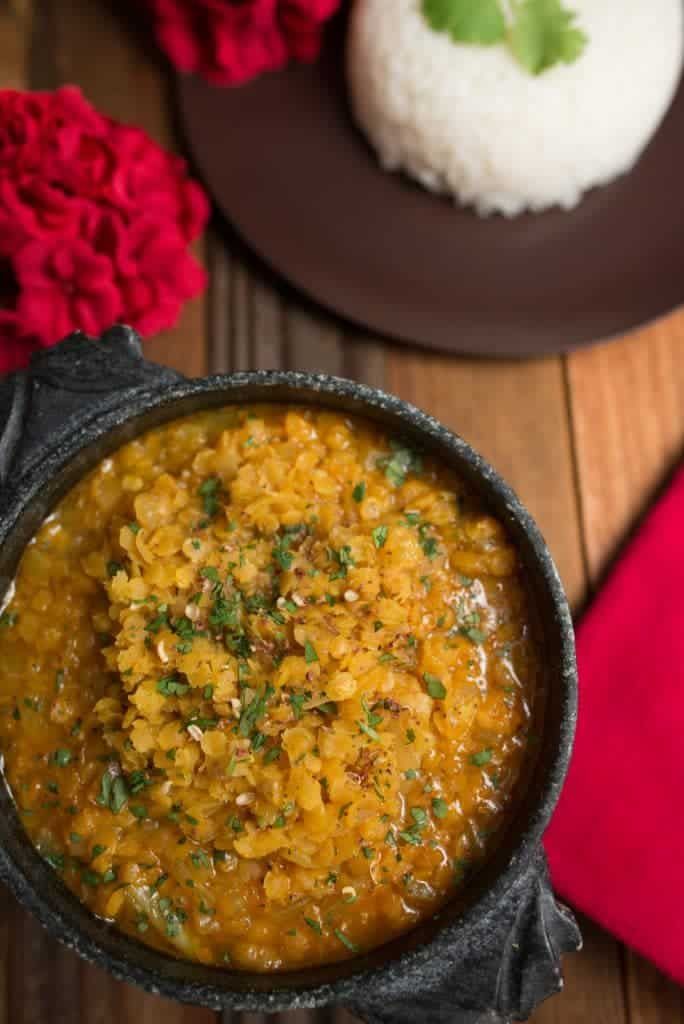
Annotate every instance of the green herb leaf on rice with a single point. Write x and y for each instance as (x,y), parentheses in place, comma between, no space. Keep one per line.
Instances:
(541,33)
(467,22)
(544,33)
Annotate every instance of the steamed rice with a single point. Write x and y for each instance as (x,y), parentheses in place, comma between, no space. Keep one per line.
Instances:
(471,122)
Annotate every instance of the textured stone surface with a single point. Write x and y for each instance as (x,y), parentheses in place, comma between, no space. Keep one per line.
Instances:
(490,957)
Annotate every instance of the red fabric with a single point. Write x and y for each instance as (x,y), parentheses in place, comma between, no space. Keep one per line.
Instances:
(95,223)
(616,843)
(230,42)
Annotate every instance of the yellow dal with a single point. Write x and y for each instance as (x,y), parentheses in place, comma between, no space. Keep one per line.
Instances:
(265,687)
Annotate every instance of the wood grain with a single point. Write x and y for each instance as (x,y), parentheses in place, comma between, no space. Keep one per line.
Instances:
(628,416)
(628,419)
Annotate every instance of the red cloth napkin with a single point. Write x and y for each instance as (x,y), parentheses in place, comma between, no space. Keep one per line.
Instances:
(616,843)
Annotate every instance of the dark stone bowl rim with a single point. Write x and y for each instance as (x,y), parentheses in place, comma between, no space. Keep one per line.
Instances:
(211,987)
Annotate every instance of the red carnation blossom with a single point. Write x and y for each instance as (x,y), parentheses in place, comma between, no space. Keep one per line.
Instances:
(230,41)
(63,283)
(95,220)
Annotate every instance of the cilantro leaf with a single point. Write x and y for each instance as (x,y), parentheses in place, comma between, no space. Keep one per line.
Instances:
(435,686)
(400,463)
(467,22)
(171,686)
(210,492)
(380,536)
(253,711)
(345,940)
(440,807)
(544,33)
(359,492)
(297,702)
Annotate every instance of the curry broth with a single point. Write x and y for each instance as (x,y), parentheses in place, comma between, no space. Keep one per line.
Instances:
(266,685)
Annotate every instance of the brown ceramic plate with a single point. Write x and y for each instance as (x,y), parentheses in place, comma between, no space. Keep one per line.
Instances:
(288,168)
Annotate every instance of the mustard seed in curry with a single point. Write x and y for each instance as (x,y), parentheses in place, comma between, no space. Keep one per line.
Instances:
(265,687)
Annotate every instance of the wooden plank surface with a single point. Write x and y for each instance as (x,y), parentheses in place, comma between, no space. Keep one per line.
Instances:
(586,441)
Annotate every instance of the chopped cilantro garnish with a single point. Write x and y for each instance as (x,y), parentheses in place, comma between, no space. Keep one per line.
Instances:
(380,536)
(410,736)
(427,543)
(368,852)
(398,465)
(210,572)
(346,941)
(329,708)
(209,492)
(369,731)
(113,568)
(475,635)
(272,755)
(113,789)
(359,492)
(169,686)
(435,686)
(200,859)
(281,553)
(481,758)
(55,860)
(254,711)
(297,702)
(137,781)
(440,808)
(310,654)
(411,837)
(8,619)
(344,560)
(419,816)
(159,620)
(62,757)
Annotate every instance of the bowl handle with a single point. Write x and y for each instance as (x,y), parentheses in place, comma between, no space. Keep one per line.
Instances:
(75,380)
(498,971)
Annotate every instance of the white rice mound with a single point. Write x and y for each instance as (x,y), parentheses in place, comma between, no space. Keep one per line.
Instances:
(471,122)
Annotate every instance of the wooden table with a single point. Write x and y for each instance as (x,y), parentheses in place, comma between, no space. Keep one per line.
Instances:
(585,439)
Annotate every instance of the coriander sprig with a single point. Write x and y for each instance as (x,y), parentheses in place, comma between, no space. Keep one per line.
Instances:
(539,34)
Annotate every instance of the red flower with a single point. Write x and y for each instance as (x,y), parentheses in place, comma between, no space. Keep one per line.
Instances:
(33,208)
(148,178)
(152,300)
(65,286)
(95,219)
(231,41)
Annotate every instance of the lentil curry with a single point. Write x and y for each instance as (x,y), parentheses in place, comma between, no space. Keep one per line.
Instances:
(265,687)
